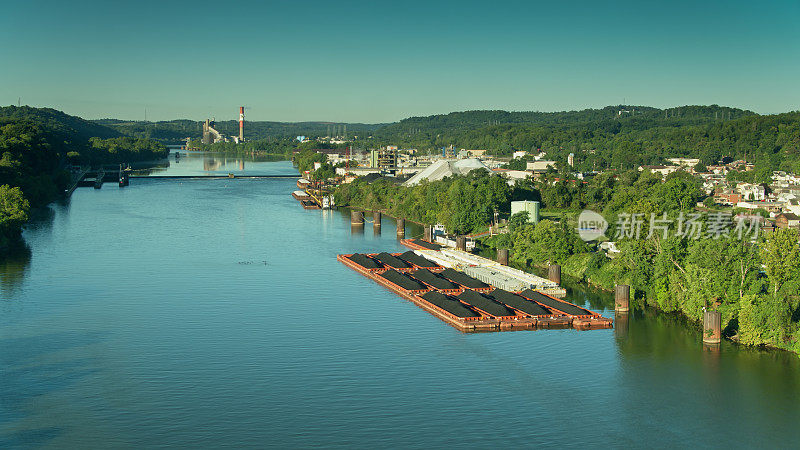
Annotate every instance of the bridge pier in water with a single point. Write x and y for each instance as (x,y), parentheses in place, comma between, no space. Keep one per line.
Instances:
(502,256)
(554,273)
(622,294)
(712,327)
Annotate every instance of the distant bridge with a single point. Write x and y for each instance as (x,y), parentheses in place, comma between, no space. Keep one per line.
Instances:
(97,178)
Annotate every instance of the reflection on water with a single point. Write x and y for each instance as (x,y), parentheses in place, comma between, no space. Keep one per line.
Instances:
(13,266)
(621,325)
(211,164)
(202,163)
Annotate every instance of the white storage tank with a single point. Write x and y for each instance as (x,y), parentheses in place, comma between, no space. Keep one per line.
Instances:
(526,205)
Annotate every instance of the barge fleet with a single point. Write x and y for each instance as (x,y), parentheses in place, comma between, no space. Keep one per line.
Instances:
(439,285)
(312,198)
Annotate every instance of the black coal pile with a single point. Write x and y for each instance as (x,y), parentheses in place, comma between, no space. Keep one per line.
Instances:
(449,304)
(365,261)
(417,260)
(485,303)
(402,280)
(426,244)
(433,279)
(553,303)
(521,303)
(392,261)
(463,279)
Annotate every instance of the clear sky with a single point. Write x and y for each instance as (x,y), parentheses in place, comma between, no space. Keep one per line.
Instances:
(379,62)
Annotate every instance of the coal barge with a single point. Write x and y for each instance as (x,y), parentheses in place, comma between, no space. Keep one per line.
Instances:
(467,303)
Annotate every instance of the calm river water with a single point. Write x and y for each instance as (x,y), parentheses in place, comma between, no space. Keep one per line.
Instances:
(213,313)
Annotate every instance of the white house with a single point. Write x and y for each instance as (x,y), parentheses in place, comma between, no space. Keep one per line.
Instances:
(663,170)
(755,192)
(686,162)
(793,206)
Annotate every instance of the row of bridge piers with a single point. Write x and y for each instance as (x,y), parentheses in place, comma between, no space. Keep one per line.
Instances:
(712,323)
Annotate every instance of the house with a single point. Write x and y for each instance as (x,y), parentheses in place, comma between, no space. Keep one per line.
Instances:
(773,207)
(787,220)
(512,175)
(755,192)
(793,206)
(718,169)
(726,196)
(685,162)
(663,170)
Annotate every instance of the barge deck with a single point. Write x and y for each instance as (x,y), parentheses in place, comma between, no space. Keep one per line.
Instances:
(467,303)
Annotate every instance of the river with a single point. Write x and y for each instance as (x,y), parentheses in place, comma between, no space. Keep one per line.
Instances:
(213,313)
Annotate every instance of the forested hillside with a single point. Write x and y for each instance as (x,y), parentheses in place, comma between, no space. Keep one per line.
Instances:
(622,136)
(36,149)
(612,137)
(621,116)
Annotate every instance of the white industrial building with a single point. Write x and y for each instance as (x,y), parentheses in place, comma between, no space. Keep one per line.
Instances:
(446,168)
(540,166)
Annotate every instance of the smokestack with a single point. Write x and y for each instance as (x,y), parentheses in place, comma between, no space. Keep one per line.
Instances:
(241,123)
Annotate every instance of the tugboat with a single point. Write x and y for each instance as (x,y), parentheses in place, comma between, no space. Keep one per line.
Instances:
(327,202)
(123,177)
(98,182)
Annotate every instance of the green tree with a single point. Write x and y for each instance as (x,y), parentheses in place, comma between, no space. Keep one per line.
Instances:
(781,256)
(14,209)
(700,167)
(518,220)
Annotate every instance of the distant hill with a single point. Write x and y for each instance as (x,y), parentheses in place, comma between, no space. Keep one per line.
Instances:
(618,117)
(423,131)
(621,136)
(174,131)
(71,128)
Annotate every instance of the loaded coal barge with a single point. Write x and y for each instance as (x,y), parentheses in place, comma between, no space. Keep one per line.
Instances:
(465,302)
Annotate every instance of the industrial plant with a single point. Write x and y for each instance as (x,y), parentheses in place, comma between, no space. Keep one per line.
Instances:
(212,136)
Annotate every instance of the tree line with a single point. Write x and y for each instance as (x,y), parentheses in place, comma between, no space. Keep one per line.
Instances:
(601,139)
(464,204)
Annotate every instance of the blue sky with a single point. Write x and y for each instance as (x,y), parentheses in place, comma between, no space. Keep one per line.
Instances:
(378,62)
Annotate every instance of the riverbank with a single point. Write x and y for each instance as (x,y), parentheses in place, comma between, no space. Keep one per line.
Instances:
(577,268)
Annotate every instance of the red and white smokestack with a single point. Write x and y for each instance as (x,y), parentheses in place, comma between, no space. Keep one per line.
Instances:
(241,123)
